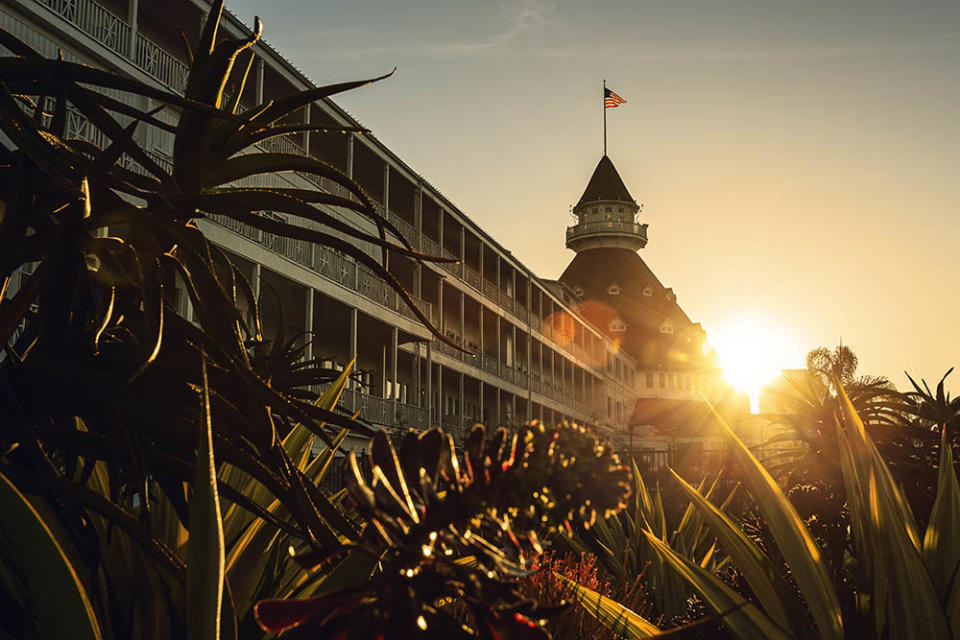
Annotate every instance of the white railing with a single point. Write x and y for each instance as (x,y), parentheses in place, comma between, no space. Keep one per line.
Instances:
(153,59)
(104,26)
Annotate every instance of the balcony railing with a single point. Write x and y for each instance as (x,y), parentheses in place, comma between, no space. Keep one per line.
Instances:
(472,277)
(331,264)
(115,33)
(104,26)
(609,226)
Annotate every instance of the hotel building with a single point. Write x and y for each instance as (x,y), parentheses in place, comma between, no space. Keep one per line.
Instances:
(568,349)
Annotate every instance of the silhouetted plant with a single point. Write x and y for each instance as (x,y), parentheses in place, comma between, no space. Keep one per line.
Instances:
(99,373)
(442,533)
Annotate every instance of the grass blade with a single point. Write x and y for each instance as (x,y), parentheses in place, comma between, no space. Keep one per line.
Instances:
(205,553)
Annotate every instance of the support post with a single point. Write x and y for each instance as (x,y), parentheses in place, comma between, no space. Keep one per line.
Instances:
(350,139)
(308,325)
(352,384)
(133,19)
(395,386)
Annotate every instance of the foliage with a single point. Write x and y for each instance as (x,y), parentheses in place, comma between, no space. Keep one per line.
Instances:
(557,577)
(441,533)
(824,364)
(623,552)
(906,584)
(934,409)
(100,375)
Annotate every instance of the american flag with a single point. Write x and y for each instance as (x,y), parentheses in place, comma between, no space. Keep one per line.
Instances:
(611,100)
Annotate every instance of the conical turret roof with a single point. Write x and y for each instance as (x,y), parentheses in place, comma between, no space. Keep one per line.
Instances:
(605,184)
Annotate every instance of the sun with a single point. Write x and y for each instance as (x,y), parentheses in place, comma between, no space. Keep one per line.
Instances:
(752,352)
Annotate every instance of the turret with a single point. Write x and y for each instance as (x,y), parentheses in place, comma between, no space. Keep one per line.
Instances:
(606,214)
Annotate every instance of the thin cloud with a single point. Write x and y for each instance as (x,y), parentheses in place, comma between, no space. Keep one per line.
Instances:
(943,43)
(528,17)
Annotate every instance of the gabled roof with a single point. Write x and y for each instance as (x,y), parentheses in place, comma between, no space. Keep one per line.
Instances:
(605,184)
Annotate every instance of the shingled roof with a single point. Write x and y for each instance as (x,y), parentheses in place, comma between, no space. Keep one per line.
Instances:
(605,184)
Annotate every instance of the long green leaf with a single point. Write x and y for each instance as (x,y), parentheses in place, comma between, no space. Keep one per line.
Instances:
(205,549)
(611,613)
(941,543)
(887,543)
(793,540)
(58,602)
(776,597)
(745,621)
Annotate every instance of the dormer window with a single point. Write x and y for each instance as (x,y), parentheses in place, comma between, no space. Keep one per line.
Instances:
(648,291)
(617,326)
(614,289)
(670,296)
(578,291)
(666,327)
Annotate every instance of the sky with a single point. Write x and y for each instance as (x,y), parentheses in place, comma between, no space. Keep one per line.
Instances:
(797,161)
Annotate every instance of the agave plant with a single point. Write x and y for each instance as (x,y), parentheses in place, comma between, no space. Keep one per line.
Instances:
(906,583)
(623,552)
(450,541)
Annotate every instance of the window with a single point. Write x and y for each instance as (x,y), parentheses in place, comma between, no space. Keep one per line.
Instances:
(672,380)
(648,291)
(609,406)
(649,378)
(608,209)
(663,380)
(670,296)
(666,327)
(578,291)
(617,326)
(614,289)
(620,210)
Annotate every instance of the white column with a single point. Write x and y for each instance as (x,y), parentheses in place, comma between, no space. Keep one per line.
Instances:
(133,19)
(306,134)
(350,139)
(429,386)
(353,354)
(393,370)
(460,408)
(440,398)
(499,351)
(308,325)
(386,193)
(258,78)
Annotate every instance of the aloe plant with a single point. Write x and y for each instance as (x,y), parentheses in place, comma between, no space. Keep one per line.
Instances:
(99,373)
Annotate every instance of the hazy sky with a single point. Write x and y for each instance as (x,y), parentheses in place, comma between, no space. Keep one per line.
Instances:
(796,160)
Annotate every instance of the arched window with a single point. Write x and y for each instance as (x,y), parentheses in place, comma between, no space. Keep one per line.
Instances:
(578,291)
(648,291)
(613,289)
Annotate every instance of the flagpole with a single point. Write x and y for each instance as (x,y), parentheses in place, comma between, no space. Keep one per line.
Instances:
(604,117)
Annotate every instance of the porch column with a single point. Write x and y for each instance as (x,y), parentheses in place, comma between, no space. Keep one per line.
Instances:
(352,353)
(395,386)
(308,325)
(133,19)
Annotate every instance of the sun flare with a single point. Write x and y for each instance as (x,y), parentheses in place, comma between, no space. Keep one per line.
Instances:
(752,352)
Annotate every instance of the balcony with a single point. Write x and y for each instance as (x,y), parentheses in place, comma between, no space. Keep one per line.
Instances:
(331,264)
(607,233)
(113,32)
